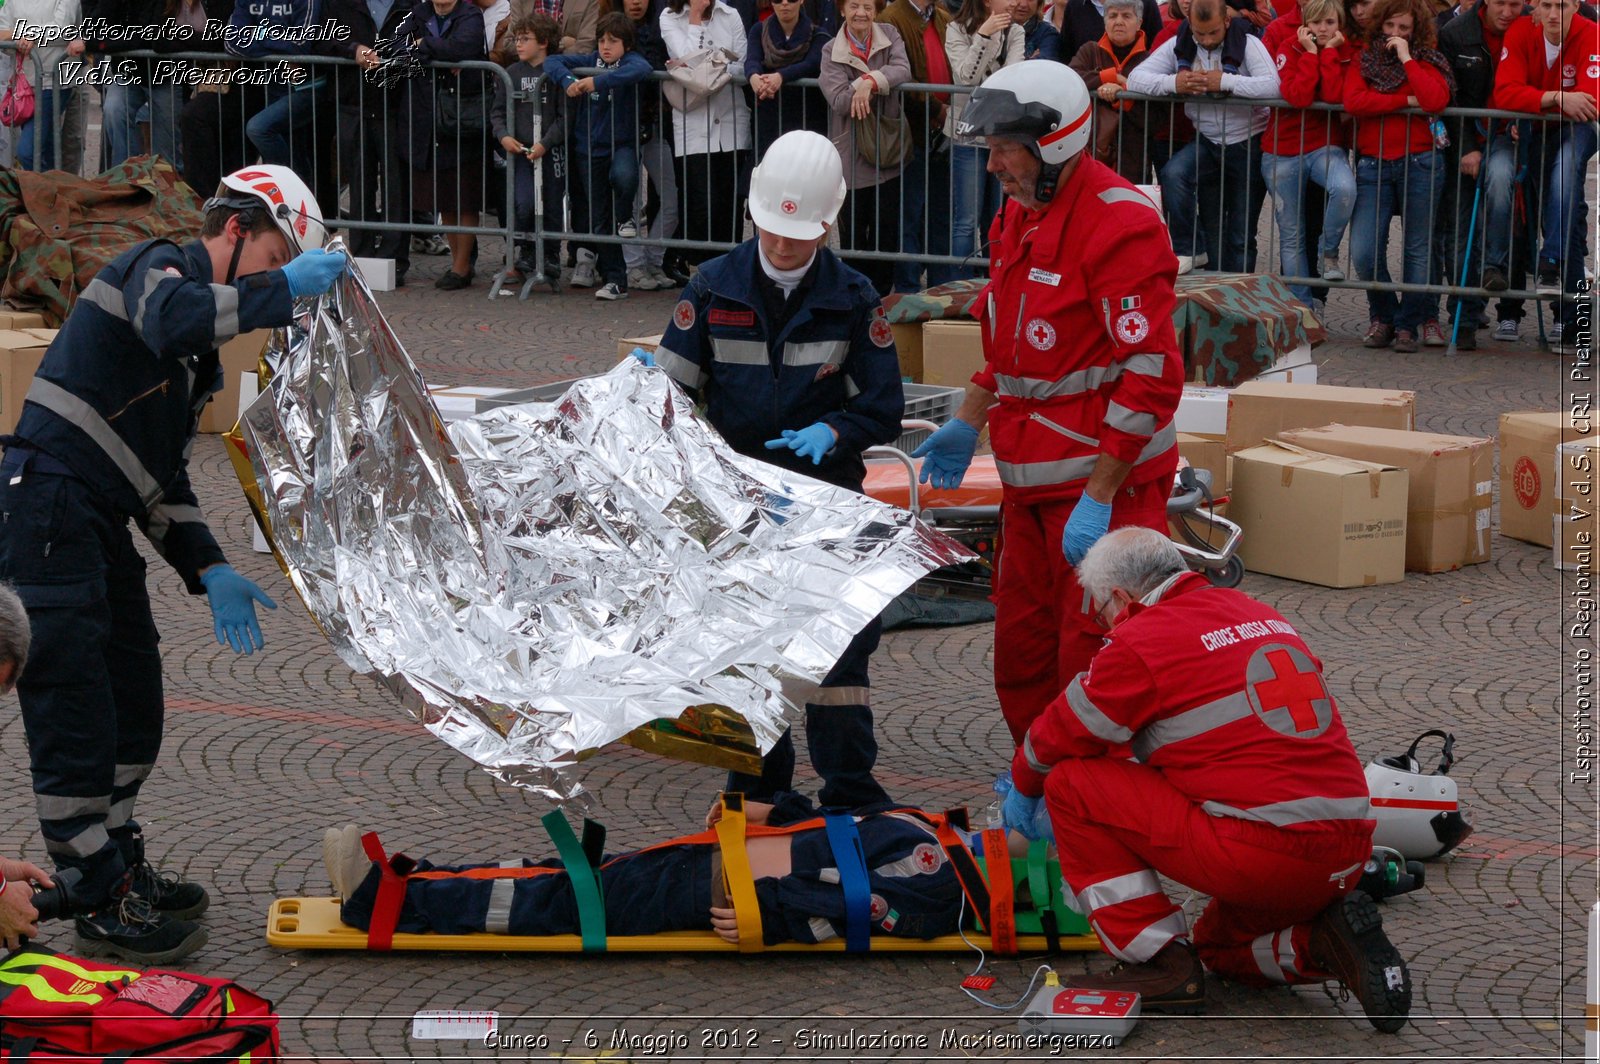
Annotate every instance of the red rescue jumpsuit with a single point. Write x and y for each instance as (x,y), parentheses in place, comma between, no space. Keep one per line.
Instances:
(1077,332)
(1246,787)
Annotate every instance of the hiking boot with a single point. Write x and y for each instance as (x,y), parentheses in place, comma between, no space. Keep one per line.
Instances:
(167,892)
(1347,939)
(1494,279)
(131,930)
(1378,335)
(1171,981)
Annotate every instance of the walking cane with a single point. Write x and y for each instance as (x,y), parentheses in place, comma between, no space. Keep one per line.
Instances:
(1466,261)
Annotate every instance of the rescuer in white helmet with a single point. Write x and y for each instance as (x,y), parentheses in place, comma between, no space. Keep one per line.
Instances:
(791,352)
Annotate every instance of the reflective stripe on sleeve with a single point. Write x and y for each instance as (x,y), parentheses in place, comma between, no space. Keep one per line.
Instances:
(1092,717)
(680,369)
(1132,422)
(226,325)
(100,294)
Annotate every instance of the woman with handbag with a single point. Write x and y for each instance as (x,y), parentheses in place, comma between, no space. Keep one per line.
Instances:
(860,69)
(782,49)
(36,74)
(705,41)
(981,39)
(449,123)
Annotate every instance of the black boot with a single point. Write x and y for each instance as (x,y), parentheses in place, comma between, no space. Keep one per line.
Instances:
(168,893)
(128,928)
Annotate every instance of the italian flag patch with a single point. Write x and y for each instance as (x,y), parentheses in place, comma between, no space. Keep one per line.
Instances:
(1130,302)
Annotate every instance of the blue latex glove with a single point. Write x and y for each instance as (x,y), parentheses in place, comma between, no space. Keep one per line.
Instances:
(313,272)
(233,611)
(948,452)
(1088,522)
(648,358)
(1018,813)
(811,442)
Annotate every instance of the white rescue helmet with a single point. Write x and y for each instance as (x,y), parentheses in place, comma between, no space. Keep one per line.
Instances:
(799,187)
(1418,812)
(1037,101)
(285,197)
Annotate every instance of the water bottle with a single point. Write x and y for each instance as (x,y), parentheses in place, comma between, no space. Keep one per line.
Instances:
(1441,136)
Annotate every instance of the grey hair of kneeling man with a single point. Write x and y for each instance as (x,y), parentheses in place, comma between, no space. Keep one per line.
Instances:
(15,636)
(1135,560)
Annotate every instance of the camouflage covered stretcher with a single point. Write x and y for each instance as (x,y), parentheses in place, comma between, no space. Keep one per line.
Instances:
(58,230)
(1230,326)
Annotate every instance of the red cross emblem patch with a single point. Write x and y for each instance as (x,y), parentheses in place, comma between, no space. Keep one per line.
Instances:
(788,206)
(927,858)
(683,315)
(880,331)
(1041,334)
(1286,691)
(880,908)
(1132,327)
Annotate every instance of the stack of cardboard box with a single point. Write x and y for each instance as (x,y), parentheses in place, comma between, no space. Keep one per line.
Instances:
(22,346)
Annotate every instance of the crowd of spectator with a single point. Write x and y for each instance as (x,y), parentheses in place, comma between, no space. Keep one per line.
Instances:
(590,141)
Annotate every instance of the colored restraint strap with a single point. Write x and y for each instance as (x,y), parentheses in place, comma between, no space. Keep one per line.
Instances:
(585,881)
(391,894)
(961,859)
(1043,893)
(736,872)
(851,861)
(1002,912)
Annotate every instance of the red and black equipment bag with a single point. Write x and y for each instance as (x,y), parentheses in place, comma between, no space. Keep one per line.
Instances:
(57,1008)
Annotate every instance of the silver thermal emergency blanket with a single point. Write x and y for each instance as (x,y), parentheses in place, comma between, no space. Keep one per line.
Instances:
(543,580)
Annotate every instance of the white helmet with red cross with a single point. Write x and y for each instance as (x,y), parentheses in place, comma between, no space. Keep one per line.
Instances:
(284,195)
(799,187)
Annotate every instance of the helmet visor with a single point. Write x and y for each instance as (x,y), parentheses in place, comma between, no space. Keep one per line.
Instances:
(998,113)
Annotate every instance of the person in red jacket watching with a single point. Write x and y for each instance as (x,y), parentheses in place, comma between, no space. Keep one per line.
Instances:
(1082,376)
(1550,65)
(1245,788)
(1303,147)
(1397,163)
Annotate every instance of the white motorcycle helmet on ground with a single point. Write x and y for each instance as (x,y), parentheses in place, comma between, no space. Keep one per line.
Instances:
(1039,102)
(1418,813)
(799,187)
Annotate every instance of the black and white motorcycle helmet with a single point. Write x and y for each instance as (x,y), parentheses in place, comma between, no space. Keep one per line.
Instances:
(1418,813)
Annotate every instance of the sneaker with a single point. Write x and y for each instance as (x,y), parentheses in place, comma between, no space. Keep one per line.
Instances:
(1432,336)
(1347,940)
(611,290)
(1319,310)
(1405,341)
(1171,981)
(1494,279)
(627,230)
(1331,271)
(1506,331)
(345,859)
(661,278)
(1378,335)
(584,274)
(131,930)
(641,278)
(429,245)
(451,281)
(167,892)
(1554,333)
(1549,278)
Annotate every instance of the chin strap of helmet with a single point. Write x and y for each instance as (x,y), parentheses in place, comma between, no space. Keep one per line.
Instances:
(1044,189)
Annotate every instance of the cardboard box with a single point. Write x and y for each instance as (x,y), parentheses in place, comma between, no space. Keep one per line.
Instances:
(952,351)
(1575,529)
(1202,410)
(1451,495)
(1296,367)
(20,356)
(908,345)
(240,355)
(626,345)
(1260,410)
(378,273)
(20,319)
(1528,442)
(461,401)
(1206,452)
(1338,522)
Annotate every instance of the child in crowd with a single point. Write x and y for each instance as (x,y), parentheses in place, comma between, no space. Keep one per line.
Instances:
(533,134)
(605,142)
(1397,164)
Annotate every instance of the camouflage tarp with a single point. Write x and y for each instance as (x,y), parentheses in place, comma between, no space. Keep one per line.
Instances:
(1230,326)
(58,230)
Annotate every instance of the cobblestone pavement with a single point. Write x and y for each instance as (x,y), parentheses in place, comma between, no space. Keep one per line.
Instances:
(263,752)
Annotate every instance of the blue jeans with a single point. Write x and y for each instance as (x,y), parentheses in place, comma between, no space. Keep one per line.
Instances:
(1559,160)
(1489,235)
(272,128)
(601,192)
(39,132)
(1286,176)
(975,196)
(925,197)
(1413,182)
(119,115)
(1213,199)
